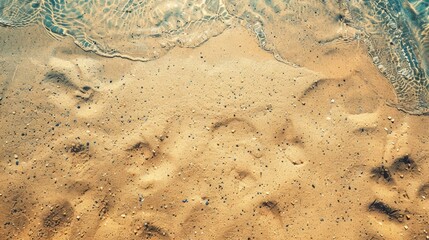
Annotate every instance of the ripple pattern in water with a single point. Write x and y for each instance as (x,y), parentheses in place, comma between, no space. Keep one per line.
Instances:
(397,34)
(139,30)
(18,13)
(396,31)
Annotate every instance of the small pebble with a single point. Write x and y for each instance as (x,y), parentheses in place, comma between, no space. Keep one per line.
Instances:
(406,227)
(381,68)
(15,156)
(123,215)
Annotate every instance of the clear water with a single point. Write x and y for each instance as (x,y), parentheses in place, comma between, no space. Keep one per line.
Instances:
(397,37)
(395,31)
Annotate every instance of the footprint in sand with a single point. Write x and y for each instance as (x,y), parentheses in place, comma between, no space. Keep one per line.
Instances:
(57,217)
(401,191)
(74,86)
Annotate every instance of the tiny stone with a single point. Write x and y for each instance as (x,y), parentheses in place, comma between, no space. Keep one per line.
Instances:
(15,156)
(406,227)
(332,100)
(381,68)
(123,215)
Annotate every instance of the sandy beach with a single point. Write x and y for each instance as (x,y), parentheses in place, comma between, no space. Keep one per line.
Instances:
(221,141)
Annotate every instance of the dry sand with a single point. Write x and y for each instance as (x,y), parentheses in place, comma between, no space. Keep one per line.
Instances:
(217,142)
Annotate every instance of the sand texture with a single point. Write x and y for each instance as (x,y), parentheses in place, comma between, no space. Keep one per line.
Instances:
(221,141)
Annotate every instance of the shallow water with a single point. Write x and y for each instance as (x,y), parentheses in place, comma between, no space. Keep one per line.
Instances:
(397,38)
(395,32)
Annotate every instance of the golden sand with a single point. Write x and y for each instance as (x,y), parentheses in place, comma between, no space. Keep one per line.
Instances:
(216,142)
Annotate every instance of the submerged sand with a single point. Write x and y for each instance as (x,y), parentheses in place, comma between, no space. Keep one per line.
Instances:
(216,142)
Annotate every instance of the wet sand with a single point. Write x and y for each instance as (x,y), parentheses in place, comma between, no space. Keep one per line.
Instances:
(221,141)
